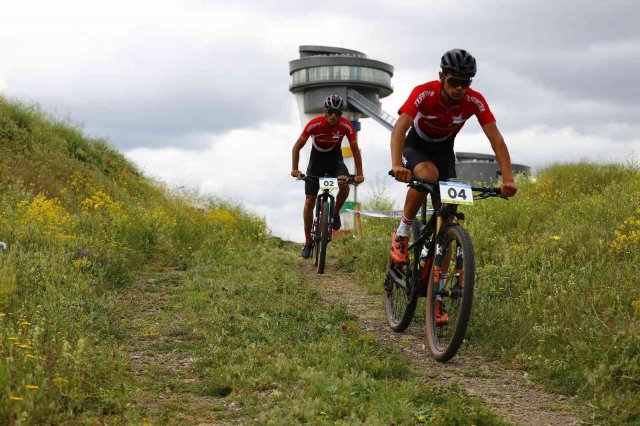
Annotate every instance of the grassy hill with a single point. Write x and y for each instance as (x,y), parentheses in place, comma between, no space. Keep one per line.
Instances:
(558,281)
(81,223)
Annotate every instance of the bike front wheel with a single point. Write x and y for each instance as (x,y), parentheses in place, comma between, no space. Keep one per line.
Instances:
(316,231)
(449,301)
(324,236)
(401,284)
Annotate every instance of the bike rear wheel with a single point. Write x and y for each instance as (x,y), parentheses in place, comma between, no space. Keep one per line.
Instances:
(324,236)
(401,283)
(455,292)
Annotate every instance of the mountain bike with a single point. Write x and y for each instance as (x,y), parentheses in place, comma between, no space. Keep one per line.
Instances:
(323,216)
(440,267)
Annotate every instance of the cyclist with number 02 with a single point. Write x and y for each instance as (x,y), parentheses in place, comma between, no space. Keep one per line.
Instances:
(433,114)
(327,132)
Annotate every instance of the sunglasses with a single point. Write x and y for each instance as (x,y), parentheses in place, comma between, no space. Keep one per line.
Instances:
(458,82)
(337,112)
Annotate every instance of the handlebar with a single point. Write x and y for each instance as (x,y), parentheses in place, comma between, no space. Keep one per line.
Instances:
(425,185)
(350,179)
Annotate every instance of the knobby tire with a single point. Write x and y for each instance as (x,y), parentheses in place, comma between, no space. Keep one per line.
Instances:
(401,301)
(445,341)
(316,231)
(324,236)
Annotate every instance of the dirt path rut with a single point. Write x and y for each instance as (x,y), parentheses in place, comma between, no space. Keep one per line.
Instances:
(507,392)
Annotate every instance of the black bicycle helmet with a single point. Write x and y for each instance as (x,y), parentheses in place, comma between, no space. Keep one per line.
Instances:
(458,62)
(334,102)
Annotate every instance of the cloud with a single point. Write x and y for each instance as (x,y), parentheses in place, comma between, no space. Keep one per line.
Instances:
(249,166)
(157,74)
(196,91)
(148,75)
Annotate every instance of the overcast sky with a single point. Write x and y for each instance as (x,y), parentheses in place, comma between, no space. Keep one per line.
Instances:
(196,92)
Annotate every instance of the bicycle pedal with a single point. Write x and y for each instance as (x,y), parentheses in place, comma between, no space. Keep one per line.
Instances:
(388,286)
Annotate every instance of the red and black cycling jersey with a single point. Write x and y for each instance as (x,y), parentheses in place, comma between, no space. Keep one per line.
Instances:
(327,138)
(326,152)
(435,122)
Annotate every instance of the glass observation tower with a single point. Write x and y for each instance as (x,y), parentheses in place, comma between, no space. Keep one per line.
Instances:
(322,71)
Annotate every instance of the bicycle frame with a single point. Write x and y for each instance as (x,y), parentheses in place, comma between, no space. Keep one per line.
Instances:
(428,238)
(446,213)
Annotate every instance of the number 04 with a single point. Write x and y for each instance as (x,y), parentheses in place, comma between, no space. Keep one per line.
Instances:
(453,194)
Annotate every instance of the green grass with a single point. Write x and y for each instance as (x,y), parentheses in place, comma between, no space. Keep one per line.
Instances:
(263,342)
(80,221)
(558,287)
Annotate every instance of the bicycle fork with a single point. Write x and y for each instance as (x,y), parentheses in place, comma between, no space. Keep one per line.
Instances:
(318,217)
(439,279)
(439,276)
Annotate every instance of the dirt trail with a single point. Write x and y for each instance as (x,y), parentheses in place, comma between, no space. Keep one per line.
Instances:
(507,392)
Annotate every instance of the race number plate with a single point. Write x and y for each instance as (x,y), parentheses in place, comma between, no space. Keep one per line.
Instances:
(456,193)
(328,183)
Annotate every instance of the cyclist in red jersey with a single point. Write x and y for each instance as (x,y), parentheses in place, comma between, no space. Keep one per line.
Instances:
(327,132)
(434,113)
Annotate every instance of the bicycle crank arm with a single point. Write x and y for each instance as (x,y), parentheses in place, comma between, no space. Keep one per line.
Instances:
(456,293)
(396,278)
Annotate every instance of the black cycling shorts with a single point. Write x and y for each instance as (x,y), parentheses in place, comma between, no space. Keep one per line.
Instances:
(312,186)
(417,150)
(441,154)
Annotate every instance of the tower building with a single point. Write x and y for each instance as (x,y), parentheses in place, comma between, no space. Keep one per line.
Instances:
(322,71)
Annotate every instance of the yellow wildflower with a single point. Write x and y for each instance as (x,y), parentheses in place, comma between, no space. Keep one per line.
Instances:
(25,323)
(81,263)
(367,337)
(32,387)
(23,346)
(627,237)
(16,398)
(47,211)
(555,237)
(60,381)
(222,216)
(100,200)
